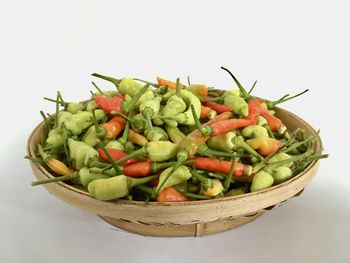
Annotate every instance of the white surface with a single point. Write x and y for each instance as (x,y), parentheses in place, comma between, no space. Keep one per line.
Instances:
(288,47)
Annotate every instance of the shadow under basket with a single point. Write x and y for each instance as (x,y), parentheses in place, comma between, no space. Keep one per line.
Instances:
(192,218)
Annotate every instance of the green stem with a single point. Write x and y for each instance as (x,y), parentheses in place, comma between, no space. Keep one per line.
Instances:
(65,147)
(147,82)
(276,164)
(227,181)
(46,120)
(98,89)
(216,99)
(297,144)
(206,182)
(269,131)
(188,80)
(122,140)
(239,142)
(141,181)
(100,132)
(109,158)
(252,88)
(140,152)
(56,179)
(129,106)
(55,101)
(64,104)
(244,93)
(272,104)
(178,87)
(180,160)
(192,196)
(57,109)
(110,79)
(124,117)
(147,113)
(35,160)
(205,130)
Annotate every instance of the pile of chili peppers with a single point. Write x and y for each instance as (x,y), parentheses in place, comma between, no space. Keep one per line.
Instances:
(170,142)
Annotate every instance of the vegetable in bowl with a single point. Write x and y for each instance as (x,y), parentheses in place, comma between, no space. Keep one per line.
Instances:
(168,142)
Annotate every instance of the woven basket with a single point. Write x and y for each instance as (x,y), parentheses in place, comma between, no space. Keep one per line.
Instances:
(192,218)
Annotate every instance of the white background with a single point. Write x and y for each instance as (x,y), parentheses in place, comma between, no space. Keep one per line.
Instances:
(287,45)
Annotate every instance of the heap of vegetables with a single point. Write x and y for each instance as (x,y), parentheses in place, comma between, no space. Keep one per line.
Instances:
(168,142)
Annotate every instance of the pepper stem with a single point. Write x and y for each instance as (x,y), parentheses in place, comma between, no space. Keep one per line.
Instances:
(205,130)
(297,144)
(252,88)
(271,104)
(227,181)
(65,147)
(148,113)
(59,101)
(191,195)
(141,181)
(239,142)
(181,158)
(98,89)
(46,120)
(35,160)
(69,177)
(135,154)
(110,79)
(129,106)
(178,87)
(57,108)
(100,132)
(109,158)
(206,182)
(188,80)
(147,82)
(122,140)
(244,93)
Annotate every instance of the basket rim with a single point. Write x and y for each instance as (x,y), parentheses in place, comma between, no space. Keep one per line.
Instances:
(30,152)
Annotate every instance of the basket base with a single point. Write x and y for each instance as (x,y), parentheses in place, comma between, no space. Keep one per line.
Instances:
(202,229)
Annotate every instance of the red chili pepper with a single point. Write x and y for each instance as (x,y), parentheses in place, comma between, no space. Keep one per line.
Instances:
(207,112)
(171,85)
(109,105)
(214,165)
(194,140)
(222,127)
(219,108)
(113,127)
(140,169)
(116,155)
(256,109)
(170,194)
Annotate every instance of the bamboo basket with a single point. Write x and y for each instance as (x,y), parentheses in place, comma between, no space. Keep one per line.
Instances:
(192,218)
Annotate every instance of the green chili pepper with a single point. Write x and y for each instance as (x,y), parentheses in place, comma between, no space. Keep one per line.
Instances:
(90,137)
(81,154)
(150,109)
(135,101)
(175,134)
(280,157)
(186,117)
(83,177)
(156,151)
(222,142)
(156,134)
(237,104)
(62,116)
(254,131)
(78,122)
(181,174)
(174,106)
(281,174)
(75,107)
(261,180)
(115,187)
(161,151)
(157,120)
(55,137)
(129,147)
(115,145)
